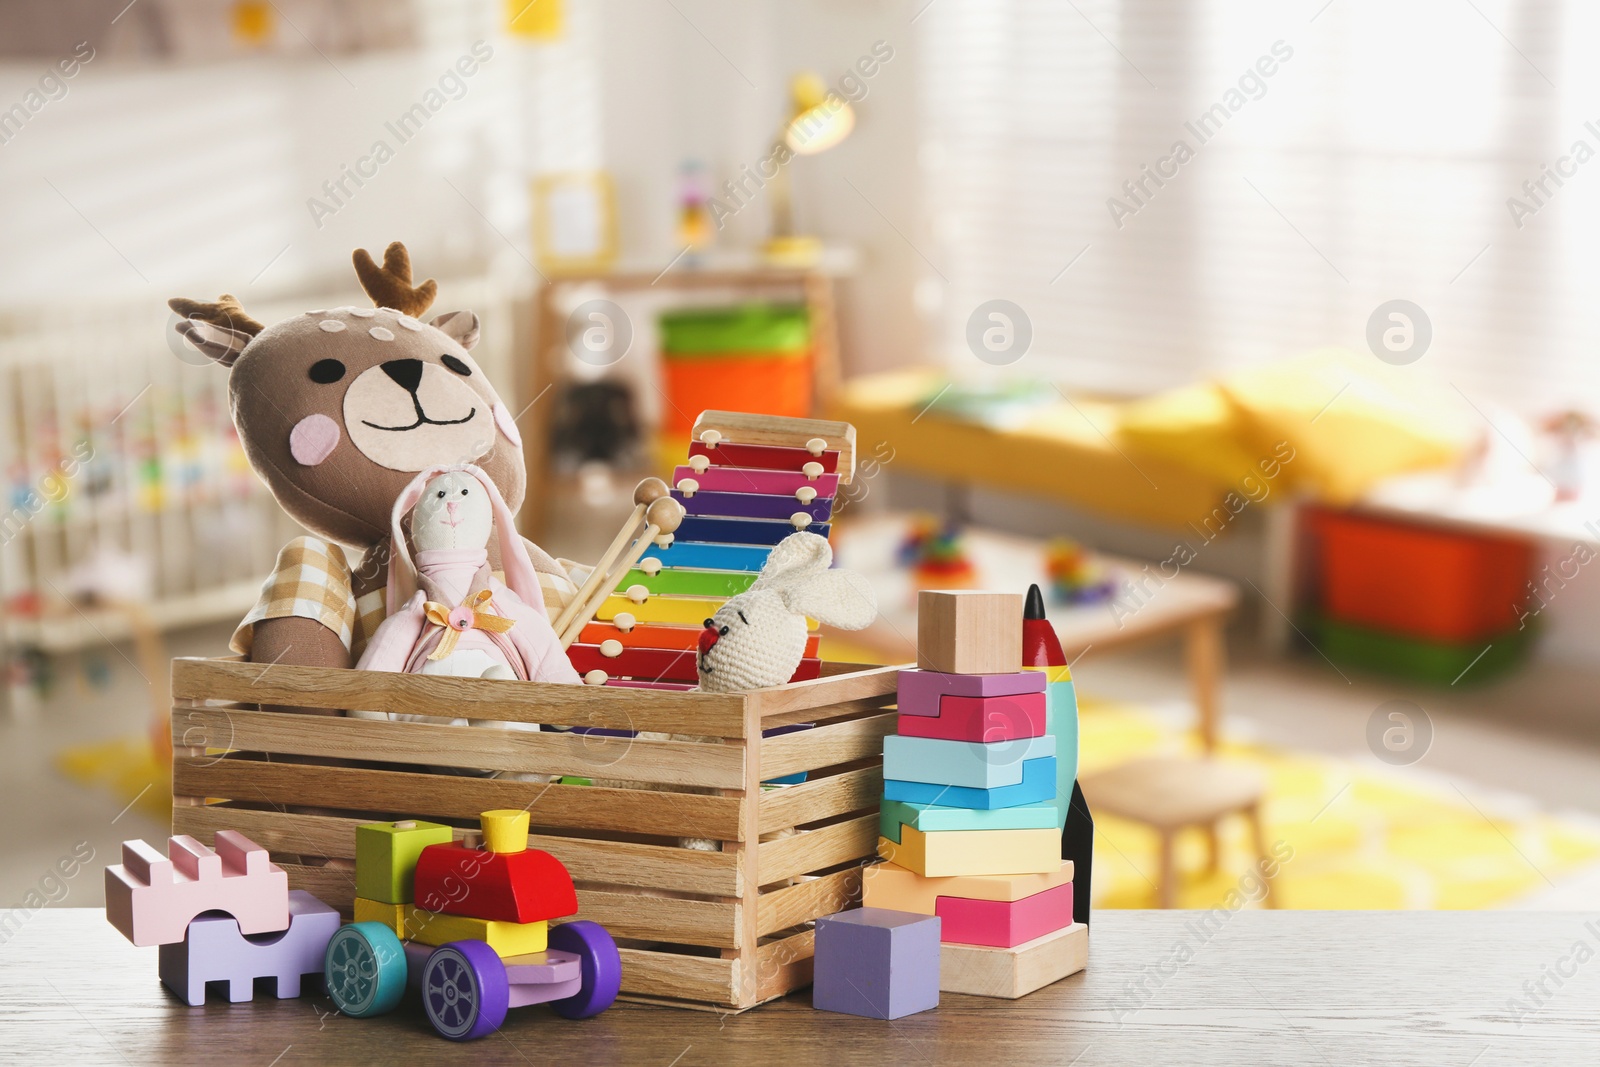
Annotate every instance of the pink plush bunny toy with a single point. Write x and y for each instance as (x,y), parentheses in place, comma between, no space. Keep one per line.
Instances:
(454,617)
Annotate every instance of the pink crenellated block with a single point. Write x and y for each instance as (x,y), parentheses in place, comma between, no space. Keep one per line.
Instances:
(213,950)
(151,898)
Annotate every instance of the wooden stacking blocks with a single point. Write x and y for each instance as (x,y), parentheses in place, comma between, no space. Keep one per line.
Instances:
(893,814)
(386,857)
(219,916)
(972,764)
(214,950)
(1014,972)
(984,719)
(151,897)
(949,852)
(877,963)
(502,894)
(969,632)
(975,796)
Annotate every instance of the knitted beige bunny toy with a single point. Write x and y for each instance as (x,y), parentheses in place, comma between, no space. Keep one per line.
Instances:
(758,638)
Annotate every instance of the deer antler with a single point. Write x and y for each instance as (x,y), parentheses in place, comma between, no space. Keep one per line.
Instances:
(390,286)
(225,311)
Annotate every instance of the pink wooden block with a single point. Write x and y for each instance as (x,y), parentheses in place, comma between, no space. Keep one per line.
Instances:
(983,719)
(920,690)
(213,950)
(750,480)
(150,898)
(1004,923)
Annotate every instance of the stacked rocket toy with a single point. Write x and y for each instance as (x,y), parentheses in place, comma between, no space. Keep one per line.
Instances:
(980,797)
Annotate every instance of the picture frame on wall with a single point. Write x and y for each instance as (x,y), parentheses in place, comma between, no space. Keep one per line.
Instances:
(575,221)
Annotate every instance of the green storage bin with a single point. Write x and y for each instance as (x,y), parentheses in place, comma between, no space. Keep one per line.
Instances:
(769,329)
(1418,660)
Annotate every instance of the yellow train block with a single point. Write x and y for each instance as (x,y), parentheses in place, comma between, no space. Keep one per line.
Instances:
(411,923)
(888,885)
(943,853)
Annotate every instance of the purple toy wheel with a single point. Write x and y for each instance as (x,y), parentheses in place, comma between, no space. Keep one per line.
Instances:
(602,968)
(464,990)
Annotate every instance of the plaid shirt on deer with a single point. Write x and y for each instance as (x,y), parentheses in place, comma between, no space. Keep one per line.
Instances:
(313,580)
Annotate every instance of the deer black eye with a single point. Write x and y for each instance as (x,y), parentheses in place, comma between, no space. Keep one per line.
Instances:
(441,494)
(723,631)
(326,371)
(456,365)
(463,492)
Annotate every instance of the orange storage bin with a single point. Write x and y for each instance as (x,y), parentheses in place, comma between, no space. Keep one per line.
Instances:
(768,385)
(1420,581)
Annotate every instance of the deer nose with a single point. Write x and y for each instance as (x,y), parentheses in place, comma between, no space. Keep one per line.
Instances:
(407,373)
(450,506)
(708,637)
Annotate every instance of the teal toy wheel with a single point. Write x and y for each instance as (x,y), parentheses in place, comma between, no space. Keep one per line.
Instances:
(365,970)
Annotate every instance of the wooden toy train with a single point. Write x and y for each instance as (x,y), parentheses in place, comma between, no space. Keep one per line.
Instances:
(468,927)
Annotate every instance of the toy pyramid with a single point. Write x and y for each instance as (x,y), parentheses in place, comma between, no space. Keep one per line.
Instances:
(980,801)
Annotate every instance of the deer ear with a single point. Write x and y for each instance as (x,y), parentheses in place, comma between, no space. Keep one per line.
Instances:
(219,342)
(459,326)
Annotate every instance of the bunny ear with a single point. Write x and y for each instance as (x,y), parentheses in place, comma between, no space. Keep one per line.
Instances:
(838,598)
(796,555)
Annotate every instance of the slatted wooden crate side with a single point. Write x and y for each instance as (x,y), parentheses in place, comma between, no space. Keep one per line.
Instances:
(646,759)
(660,711)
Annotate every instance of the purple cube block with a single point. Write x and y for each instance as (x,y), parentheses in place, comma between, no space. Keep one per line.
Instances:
(878,963)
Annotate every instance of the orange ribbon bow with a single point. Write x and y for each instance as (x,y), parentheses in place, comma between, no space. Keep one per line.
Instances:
(458,620)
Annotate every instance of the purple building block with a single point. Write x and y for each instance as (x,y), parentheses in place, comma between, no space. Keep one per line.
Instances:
(878,963)
(213,950)
(920,690)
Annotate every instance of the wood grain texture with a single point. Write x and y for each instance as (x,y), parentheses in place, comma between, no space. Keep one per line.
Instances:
(826,746)
(1313,988)
(830,689)
(620,863)
(816,850)
(1010,973)
(711,714)
(820,798)
(812,898)
(634,758)
(577,807)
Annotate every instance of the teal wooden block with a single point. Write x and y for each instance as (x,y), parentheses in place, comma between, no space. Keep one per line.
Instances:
(930,818)
(1038,784)
(970,764)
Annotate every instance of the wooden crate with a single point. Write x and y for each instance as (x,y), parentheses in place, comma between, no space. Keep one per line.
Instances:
(722,929)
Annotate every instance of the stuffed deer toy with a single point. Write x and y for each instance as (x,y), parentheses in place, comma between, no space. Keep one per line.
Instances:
(452,615)
(758,638)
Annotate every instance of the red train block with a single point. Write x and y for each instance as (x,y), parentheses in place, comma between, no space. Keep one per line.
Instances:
(514,887)
(984,719)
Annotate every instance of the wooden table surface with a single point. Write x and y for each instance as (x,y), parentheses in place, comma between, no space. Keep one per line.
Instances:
(1323,988)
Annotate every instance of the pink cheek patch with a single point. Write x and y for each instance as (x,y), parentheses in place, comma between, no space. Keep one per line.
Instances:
(508,425)
(313,439)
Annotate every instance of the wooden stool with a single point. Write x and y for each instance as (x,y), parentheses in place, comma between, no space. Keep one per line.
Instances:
(1169,793)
